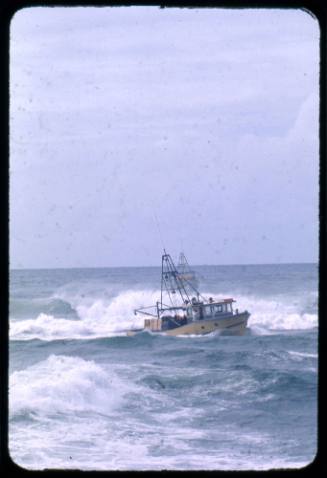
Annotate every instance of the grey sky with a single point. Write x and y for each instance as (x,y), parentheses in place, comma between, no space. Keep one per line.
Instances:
(206,118)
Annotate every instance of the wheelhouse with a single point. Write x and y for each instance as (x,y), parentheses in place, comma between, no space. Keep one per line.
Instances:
(200,310)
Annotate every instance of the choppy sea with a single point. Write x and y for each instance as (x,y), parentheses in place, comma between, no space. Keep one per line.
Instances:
(84,395)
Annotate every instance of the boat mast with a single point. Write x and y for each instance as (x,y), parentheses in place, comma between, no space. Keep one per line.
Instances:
(170,280)
(183,265)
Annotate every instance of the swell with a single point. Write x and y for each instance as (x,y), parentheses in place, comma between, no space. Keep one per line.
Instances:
(162,395)
(30,308)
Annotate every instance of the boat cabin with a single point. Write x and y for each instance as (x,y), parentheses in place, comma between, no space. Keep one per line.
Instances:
(198,310)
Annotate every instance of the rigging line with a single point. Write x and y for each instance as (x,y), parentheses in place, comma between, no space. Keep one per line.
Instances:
(195,290)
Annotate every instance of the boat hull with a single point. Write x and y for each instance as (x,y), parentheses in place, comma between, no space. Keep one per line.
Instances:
(235,324)
(232,325)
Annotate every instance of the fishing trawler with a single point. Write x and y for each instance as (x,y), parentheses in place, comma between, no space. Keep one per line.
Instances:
(188,313)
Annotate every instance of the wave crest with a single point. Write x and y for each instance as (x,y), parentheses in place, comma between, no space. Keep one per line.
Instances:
(63,384)
(108,317)
(100,319)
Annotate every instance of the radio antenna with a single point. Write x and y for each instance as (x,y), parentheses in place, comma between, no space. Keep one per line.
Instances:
(159,230)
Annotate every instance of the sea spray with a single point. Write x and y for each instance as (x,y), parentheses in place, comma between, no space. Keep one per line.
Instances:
(89,397)
(62,384)
(105,318)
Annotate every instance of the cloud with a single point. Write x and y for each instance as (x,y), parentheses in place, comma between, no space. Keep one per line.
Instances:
(208,120)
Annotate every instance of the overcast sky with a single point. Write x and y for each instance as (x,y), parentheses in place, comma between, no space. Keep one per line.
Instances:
(204,118)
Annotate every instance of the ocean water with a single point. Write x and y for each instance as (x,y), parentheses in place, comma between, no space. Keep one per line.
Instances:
(84,395)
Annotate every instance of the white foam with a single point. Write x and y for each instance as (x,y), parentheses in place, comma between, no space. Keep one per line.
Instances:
(48,327)
(284,320)
(108,317)
(272,314)
(118,313)
(100,318)
(81,438)
(63,384)
(260,330)
(302,354)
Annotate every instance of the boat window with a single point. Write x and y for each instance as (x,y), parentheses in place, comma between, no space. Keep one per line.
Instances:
(218,308)
(208,310)
(196,313)
(189,312)
(228,307)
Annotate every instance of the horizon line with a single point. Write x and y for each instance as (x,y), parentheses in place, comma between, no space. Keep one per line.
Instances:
(158,266)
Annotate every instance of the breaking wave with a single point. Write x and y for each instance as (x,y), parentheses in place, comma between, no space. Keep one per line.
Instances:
(105,318)
(98,319)
(31,308)
(61,384)
(272,315)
